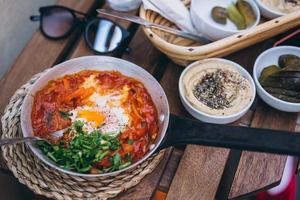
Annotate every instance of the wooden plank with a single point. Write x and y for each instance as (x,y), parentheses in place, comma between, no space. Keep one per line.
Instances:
(145,190)
(169,83)
(232,161)
(170,170)
(261,170)
(144,54)
(39,54)
(200,168)
(198,173)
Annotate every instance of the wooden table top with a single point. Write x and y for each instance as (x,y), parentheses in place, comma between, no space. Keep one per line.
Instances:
(192,172)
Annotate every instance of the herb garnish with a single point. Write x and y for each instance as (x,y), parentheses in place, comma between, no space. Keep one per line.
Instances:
(85,150)
(210,90)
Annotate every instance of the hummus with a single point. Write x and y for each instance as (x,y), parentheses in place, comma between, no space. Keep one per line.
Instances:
(216,88)
(283,6)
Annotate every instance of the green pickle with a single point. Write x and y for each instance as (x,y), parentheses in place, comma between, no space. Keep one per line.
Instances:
(267,72)
(283,82)
(289,83)
(286,98)
(219,15)
(236,17)
(247,12)
(279,91)
(288,59)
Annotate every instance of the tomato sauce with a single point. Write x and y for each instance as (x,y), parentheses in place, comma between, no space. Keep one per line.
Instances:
(66,93)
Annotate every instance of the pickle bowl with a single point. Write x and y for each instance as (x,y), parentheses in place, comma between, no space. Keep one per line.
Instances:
(205,24)
(268,58)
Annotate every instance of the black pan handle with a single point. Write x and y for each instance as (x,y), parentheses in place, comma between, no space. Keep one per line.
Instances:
(183,131)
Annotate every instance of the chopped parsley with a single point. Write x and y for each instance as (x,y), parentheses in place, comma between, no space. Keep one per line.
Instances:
(85,151)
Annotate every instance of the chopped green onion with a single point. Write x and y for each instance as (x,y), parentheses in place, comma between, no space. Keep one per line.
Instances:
(85,150)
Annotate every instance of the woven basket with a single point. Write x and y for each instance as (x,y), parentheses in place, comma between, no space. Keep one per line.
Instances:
(46,181)
(183,51)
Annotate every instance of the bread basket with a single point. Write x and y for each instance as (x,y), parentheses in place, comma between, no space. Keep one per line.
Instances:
(183,51)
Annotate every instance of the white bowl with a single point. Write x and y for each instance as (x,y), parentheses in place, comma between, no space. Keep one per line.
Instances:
(268,12)
(204,23)
(267,58)
(216,119)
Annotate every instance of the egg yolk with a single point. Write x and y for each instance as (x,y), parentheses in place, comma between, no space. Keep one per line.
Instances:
(92,116)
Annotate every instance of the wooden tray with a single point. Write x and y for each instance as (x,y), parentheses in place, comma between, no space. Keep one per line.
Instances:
(183,51)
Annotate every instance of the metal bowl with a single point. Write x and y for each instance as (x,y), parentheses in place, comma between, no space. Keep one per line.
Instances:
(97,63)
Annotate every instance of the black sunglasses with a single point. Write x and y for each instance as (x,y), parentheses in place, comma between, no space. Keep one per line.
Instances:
(101,35)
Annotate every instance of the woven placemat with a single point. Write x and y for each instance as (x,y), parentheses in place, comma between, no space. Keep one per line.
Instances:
(44,180)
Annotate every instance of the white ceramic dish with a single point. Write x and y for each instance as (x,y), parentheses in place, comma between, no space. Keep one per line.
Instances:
(124,5)
(96,63)
(267,58)
(268,12)
(202,116)
(205,24)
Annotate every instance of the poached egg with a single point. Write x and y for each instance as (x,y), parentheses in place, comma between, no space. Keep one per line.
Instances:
(104,112)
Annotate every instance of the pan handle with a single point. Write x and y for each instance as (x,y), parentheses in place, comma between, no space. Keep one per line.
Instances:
(183,131)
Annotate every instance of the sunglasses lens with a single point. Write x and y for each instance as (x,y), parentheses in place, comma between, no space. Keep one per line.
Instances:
(103,36)
(57,22)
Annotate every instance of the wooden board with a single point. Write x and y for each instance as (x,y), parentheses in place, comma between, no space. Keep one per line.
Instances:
(199,173)
(170,170)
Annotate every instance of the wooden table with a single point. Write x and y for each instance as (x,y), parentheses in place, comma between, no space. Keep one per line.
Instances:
(194,172)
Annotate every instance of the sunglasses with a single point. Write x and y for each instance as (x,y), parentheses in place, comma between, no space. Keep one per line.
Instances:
(100,34)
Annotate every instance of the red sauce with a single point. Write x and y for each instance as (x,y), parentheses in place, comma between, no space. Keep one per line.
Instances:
(66,93)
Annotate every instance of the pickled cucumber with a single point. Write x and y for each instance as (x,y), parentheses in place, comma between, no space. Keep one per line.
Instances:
(247,12)
(288,59)
(219,15)
(283,82)
(236,17)
(286,98)
(267,72)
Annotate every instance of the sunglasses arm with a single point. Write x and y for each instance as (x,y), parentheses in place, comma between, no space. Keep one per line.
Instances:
(80,13)
(35,18)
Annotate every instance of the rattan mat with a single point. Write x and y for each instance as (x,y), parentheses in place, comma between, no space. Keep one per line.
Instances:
(44,180)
